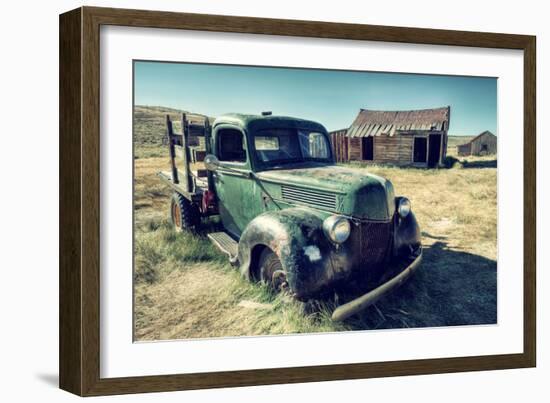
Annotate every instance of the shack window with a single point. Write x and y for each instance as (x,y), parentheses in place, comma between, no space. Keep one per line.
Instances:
(484,148)
(231,146)
(367,144)
(420,150)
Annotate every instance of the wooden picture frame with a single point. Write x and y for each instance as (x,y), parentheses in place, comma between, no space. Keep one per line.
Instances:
(79,346)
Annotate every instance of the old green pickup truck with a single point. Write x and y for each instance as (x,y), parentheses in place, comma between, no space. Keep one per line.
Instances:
(291,217)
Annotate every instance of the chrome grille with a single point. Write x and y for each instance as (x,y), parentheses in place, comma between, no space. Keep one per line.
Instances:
(314,198)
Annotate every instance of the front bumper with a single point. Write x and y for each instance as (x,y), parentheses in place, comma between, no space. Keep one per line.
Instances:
(348,309)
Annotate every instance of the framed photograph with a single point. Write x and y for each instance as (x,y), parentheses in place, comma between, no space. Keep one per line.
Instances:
(249,201)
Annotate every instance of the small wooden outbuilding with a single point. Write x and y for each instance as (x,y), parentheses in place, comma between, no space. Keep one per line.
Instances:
(412,137)
(484,143)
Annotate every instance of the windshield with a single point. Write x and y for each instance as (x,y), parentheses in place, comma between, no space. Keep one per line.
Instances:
(275,146)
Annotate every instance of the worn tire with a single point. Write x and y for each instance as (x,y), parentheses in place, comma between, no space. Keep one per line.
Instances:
(271,271)
(183,214)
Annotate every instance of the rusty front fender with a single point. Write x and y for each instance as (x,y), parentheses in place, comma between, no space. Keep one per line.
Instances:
(295,235)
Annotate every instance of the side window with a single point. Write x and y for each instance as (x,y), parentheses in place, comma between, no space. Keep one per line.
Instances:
(231,146)
(318,146)
(314,145)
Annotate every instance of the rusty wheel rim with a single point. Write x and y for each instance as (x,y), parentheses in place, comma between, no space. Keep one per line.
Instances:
(177,216)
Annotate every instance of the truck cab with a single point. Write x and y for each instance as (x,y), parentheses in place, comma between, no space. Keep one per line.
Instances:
(291,217)
(248,148)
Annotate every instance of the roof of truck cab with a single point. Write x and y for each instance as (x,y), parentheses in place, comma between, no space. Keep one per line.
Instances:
(259,122)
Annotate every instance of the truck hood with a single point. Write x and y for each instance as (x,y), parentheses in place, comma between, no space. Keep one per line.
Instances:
(358,193)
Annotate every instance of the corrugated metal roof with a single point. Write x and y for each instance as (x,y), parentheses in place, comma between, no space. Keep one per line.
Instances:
(375,123)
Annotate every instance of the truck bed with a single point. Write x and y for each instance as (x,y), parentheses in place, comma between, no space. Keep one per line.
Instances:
(201,183)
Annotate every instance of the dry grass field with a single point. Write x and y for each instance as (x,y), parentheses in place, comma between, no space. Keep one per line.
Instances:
(185,288)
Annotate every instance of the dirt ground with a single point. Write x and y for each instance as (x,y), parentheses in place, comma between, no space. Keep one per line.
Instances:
(184,288)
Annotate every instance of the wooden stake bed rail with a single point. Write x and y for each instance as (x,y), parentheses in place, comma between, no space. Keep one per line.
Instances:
(187,179)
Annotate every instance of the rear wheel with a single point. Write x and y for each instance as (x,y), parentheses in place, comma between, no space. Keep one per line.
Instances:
(183,214)
(271,271)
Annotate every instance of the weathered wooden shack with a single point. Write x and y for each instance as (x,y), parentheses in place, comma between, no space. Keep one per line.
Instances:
(413,137)
(484,143)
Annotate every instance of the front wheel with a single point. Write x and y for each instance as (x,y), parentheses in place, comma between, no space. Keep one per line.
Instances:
(271,271)
(183,214)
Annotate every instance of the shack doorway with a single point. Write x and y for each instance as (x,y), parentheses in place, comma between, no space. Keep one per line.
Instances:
(367,145)
(420,149)
(434,149)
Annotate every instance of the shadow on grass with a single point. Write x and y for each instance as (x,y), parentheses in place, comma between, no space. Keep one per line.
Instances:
(479,164)
(450,288)
(427,235)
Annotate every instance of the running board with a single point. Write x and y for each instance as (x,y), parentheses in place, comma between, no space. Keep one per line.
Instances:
(226,244)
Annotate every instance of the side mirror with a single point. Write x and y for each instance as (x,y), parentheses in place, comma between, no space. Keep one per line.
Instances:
(211,162)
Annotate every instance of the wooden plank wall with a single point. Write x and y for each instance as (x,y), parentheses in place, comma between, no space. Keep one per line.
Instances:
(444,144)
(396,149)
(464,149)
(393,149)
(339,143)
(354,152)
(488,139)
(387,149)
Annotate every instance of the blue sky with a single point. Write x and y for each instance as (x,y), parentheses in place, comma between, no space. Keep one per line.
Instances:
(330,97)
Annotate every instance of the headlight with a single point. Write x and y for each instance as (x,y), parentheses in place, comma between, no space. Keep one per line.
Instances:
(337,228)
(403,207)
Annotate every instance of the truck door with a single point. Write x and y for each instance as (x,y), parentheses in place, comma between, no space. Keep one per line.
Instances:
(234,186)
